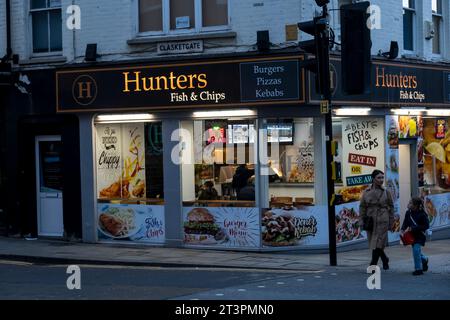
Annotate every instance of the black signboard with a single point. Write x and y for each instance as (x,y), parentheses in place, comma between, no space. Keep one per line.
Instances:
(206,83)
(267,81)
(447,87)
(393,84)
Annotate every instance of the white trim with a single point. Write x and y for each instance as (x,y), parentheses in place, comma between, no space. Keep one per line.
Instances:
(38,139)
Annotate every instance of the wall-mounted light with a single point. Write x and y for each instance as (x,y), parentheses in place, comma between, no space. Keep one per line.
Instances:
(409,111)
(352,111)
(227,113)
(118,118)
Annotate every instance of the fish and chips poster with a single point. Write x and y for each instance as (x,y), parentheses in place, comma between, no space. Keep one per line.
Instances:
(137,223)
(362,149)
(297,227)
(109,160)
(120,161)
(221,227)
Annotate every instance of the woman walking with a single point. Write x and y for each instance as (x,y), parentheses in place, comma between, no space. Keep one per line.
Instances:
(377,203)
(416,221)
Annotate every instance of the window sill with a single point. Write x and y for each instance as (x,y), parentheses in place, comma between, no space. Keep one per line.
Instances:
(181,37)
(43,60)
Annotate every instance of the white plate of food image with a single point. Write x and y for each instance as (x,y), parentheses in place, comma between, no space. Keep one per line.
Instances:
(118,223)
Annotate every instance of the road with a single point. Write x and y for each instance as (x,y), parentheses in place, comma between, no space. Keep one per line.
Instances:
(22,280)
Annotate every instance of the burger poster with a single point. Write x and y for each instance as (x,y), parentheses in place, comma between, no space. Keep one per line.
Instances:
(137,223)
(363,147)
(221,226)
(298,227)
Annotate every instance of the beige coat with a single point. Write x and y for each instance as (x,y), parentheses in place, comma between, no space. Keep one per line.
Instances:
(377,203)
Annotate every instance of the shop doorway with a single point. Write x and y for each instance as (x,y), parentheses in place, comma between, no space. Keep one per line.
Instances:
(49,186)
(408,172)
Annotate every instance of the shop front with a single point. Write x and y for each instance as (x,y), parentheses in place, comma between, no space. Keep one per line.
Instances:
(401,128)
(207,153)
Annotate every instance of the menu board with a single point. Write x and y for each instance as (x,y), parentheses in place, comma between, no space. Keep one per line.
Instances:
(221,226)
(140,223)
(363,149)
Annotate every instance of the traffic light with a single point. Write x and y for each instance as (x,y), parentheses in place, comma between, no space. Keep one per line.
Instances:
(319,47)
(355,48)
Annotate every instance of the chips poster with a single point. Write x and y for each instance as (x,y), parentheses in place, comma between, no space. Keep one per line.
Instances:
(120,161)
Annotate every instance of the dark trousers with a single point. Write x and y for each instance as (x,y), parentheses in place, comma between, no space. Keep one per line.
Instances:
(379,253)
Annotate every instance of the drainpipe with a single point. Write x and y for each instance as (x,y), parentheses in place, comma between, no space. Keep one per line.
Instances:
(8,32)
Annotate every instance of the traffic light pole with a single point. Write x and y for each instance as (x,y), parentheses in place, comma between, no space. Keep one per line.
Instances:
(329,156)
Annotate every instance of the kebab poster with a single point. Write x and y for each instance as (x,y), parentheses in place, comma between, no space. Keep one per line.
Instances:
(120,161)
(363,149)
(306,225)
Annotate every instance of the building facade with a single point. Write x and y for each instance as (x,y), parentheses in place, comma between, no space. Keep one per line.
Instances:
(121,111)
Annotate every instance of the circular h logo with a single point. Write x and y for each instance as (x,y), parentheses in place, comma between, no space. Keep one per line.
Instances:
(84,90)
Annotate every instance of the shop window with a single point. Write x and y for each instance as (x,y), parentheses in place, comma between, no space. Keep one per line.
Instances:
(46,25)
(437,23)
(167,16)
(409,13)
(218,167)
(129,161)
(290,170)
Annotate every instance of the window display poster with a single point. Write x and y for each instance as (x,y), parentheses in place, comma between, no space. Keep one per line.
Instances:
(347,225)
(437,207)
(109,160)
(363,146)
(133,146)
(391,175)
(222,226)
(302,226)
(137,223)
(436,159)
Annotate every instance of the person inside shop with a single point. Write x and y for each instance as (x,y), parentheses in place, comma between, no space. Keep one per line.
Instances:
(248,192)
(240,177)
(377,205)
(416,221)
(208,192)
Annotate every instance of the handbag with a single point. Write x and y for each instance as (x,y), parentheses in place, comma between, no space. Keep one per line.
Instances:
(407,238)
(367,223)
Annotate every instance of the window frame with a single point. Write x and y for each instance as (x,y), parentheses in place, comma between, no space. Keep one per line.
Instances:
(438,29)
(412,9)
(196,29)
(49,53)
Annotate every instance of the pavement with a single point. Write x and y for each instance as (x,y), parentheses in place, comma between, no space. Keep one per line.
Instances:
(63,252)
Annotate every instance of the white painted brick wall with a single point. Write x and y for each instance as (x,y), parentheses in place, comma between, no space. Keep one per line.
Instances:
(110,23)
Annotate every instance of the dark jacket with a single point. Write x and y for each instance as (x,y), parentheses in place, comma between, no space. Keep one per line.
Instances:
(207,194)
(240,177)
(246,193)
(418,228)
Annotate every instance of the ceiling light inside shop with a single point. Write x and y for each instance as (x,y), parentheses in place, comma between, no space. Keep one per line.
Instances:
(131,117)
(438,112)
(409,111)
(352,111)
(227,113)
